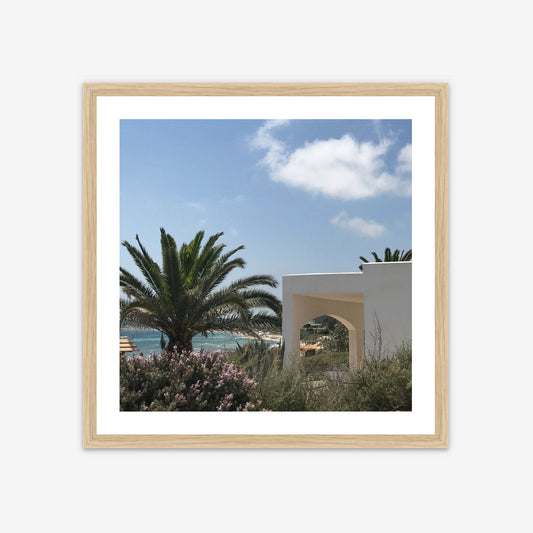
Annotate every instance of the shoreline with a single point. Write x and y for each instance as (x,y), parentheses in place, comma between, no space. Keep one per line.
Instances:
(273,337)
(261,335)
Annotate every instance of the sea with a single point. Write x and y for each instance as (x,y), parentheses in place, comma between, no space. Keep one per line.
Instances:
(149,341)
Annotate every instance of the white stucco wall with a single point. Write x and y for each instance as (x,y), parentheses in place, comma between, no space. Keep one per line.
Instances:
(375,306)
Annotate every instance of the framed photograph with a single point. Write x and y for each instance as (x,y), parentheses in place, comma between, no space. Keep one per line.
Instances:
(265,265)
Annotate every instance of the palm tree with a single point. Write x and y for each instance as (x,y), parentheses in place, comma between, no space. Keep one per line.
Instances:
(183,297)
(389,257)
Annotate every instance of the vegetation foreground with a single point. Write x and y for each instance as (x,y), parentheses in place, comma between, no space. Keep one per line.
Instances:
(252,378)
(184,296)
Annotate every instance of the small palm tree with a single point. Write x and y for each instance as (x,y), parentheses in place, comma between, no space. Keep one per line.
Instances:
(389,257)
(183,297)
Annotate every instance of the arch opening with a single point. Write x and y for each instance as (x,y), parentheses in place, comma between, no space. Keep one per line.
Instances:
(325,343)
(347,309)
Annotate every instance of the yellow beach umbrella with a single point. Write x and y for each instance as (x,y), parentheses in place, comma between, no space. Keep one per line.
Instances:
(126,345)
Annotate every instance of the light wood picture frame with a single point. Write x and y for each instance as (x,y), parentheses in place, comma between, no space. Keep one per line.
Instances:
(94,96)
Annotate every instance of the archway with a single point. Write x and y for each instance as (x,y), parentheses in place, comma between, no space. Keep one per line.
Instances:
(348,309)
(324,343)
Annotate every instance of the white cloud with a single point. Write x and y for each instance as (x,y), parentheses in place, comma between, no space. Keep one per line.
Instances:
(339,168)
(367,228)
(263,139)
(405,159)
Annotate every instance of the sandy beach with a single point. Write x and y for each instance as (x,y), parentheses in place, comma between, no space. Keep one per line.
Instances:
(263,336)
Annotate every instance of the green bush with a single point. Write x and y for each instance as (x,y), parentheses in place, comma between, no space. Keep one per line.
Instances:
(382,384)
(340,336)
(324,382)
(257,357)
(326,360)
(279,389)
(285,389)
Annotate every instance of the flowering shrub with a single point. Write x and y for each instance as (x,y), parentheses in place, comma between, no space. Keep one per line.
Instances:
(185,381)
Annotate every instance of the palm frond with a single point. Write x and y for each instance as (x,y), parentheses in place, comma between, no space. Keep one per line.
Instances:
(148,267)
(220,271)
(188,257)
(260,279)
(261,298)
(408,256)
(134,286)
(221,302)
(171,267)
(138,311)
(208,256)
(388,256)
(263,320)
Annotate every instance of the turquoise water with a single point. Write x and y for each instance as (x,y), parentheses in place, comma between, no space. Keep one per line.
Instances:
(149,341)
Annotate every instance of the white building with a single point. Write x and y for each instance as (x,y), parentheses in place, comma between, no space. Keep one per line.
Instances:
(375,306)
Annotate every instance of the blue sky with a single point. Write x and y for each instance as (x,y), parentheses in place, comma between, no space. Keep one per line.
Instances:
(302,196)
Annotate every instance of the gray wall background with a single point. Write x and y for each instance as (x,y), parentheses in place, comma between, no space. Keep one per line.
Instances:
(50,482)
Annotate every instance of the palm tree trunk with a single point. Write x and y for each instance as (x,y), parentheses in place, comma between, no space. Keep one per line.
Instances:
(181,344)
